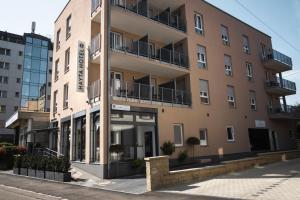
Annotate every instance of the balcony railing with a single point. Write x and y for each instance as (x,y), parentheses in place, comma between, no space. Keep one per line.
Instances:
(148,50)
(282,109)
(150,93)
(285,84)
(95,5)
(280,57)
(163,16)
(94,91)
(95,45)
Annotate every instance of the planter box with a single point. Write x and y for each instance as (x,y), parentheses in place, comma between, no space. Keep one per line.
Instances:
(31,172)
(16,170)
(63,177)
(24,171)
(40,174)
(49,175)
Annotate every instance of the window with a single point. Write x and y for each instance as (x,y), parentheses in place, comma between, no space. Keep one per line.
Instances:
(203,137)
(230,133)
(3,94)
(16,108)
(50,71)
(253,100)
(178,135)
(58,39)
(67,60)
(228,65)
(116,41)
(66,96)
(199,23)
(8,52)
(4,79)
(2,51)
(201,56)
(4,65)
(19,66)
(2,109)
(18,80)
(55,101)
(68,26)
(17,94)
(48,97)
(5,52)
(230,96)
(225,35)
(20,53)
(56,71)
(49,84)
(263,51)
(246,47)
(249,69)
(204,95)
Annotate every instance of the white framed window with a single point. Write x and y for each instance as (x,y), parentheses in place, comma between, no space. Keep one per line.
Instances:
(56,70)
(246,47)
(69,26)
(204,91)
(253,100)
(249,69)
(199,23)
(66,96)
(230,133)
(67,60)
(116,41)
(225,35)
(178,135)
(203,137)
(228,65)
(55,101)
(201,57)
(231,96)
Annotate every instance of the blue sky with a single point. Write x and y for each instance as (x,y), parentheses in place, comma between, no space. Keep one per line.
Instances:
(282,15)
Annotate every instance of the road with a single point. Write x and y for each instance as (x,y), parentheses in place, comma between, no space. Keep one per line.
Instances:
(23,188)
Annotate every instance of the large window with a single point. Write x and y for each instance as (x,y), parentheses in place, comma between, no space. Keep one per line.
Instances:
(228,65)
(199,23)
(67,60)
(66,96)
(68,26)
(230,133)
(225,35)
(79,139)
(230,96)
(95,137)
(201,56)
(246,47)
(203,137)
(178,134)
(204,94)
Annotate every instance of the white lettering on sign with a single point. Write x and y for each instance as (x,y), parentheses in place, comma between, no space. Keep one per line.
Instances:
(80,67)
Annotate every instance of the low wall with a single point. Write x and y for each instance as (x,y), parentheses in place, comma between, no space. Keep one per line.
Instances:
(159,176)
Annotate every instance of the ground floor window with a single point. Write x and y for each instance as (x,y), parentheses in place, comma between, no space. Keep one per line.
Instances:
(203,137)
(178,134)
(79,139)
(230,133)
(95,137)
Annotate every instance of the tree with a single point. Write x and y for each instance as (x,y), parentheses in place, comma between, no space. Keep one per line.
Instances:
(192,141)
(168,148)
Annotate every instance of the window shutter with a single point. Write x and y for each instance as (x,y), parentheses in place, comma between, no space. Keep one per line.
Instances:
(204,86)
(227,60)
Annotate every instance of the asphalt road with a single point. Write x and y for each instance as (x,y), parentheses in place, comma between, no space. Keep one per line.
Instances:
(23,188)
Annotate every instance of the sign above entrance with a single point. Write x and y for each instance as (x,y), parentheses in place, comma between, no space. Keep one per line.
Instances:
(260,124)
(120,107)
(80,67)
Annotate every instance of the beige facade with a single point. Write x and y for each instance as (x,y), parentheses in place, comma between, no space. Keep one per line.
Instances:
(165,71)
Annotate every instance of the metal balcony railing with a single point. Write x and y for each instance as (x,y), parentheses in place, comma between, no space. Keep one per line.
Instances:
(148,50)
(285,84)
(95,4)
(150,93)
(141,7)
(280,57)
(281,109)
(94,91)
(95,45)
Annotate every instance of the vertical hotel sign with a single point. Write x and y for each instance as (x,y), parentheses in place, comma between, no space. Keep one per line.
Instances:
(80,67)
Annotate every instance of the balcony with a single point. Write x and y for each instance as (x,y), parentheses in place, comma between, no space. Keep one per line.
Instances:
(142,56)
(95,49)
(96,10)
(160,19)
(277,61)
(282,112)
(145,93)
(281,87)
(94,91)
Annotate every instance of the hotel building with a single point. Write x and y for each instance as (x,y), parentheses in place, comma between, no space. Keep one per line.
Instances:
(139,73)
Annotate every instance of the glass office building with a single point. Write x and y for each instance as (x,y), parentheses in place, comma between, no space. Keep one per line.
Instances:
(37,61)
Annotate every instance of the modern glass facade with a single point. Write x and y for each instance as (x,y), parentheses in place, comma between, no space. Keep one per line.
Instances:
(34,83)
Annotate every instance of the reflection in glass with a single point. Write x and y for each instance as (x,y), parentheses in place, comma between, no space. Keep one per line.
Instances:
(34,91)
(28,51)
(27,63)
(25,90)
(44,53)
(26,76)
(36,64)
(34,77)
(42,78)
(37,42)
(43,66)
(36,52)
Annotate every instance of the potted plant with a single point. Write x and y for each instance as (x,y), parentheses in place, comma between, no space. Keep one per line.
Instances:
(62,173)
(136,163)
(40,167)
(192,141)
(50,168)
(32,165)
(24,165)
(17,164)
(168,148)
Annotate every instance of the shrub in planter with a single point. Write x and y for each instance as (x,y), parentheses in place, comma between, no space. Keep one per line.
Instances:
(168,148)
(32,165)
(50,168)
(62,173)
(17,164)
(182,156)
(136,163)
(40,167)
(21,150)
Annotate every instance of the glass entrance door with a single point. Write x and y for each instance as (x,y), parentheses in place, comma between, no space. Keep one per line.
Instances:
(65,139)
